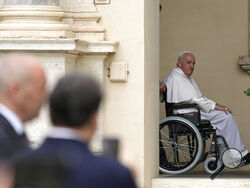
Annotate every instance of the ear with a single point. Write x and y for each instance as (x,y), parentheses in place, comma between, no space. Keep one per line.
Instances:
(179,64)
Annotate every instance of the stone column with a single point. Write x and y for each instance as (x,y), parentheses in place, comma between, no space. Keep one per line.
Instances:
(91,60)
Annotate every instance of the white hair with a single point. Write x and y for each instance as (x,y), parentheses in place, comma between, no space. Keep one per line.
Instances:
(181,55)
(13,68)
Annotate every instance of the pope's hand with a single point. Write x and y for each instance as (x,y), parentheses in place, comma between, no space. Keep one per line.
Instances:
(223,108)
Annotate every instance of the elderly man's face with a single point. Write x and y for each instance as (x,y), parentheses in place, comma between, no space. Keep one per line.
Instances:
(35,94)
(187,64)
(31,95)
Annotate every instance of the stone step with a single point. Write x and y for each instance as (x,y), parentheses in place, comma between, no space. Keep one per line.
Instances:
(202,180)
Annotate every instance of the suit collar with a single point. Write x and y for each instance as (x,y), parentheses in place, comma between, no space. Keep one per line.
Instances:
(65,142)
(13,119)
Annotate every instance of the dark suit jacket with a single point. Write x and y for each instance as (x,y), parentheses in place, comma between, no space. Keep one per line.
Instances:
(11,144)
(69,163)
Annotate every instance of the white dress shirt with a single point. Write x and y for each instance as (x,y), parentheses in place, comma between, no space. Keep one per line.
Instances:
(65,133)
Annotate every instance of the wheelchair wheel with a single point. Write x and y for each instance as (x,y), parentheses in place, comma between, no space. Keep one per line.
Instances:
(210,165)
(180,144)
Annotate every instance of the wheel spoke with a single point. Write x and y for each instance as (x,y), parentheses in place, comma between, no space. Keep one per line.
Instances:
(166,142)
(177,150)
(186,145)
(183,157)
(185,137)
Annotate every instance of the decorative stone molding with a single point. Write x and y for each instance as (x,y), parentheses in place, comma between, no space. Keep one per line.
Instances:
(32,19)
(101,2)
(244,62)
(31,2)
(70,45)
(97,47)
(83,21)
(33,22)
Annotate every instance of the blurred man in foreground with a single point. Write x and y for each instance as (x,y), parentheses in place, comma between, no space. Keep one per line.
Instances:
(22,93)
(64,159)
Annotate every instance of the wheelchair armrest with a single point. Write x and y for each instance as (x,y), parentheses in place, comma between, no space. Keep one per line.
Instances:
(176,106)
(180,106)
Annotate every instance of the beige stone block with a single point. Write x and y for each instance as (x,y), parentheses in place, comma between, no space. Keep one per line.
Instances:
(201,181)
(89,33)
(119,72)
(91,36)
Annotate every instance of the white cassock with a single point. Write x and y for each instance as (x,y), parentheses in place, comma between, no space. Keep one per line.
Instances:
(183,89)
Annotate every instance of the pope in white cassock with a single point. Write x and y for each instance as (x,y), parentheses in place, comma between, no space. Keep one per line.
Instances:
(181,88)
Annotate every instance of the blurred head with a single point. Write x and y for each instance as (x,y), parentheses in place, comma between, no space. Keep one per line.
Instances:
(74,103)
(22,85)
(186,62)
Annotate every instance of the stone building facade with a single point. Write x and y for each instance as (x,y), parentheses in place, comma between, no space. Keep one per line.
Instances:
(72,35)
(129,46)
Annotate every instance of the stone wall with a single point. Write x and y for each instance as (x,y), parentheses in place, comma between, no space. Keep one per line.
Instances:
(84,37)
(217,33)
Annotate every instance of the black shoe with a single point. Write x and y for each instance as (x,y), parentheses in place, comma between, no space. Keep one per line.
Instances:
(245,160)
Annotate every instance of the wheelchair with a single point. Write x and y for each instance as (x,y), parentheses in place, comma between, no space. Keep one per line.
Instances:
(182,141)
